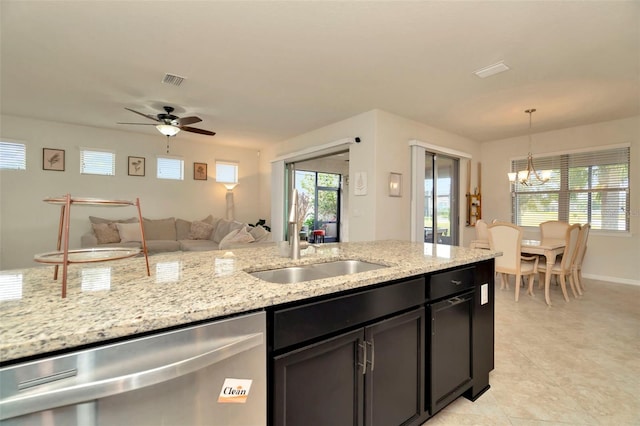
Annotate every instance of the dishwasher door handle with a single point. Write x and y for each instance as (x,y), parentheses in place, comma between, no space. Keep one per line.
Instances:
(34,401)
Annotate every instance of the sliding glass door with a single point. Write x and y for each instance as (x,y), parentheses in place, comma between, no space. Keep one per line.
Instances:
(319,202)
(441,210)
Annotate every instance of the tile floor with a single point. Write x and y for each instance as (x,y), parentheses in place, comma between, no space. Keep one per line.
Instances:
(575,363)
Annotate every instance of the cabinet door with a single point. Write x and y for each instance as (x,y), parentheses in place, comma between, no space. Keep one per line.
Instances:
(450,349)
(394,382)
(321,384)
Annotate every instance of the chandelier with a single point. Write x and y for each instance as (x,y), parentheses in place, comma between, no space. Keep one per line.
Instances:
(529,176)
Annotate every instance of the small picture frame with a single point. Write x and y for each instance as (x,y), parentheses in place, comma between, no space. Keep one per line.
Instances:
(136,166)
(200,171)
(53,159)
(395,184)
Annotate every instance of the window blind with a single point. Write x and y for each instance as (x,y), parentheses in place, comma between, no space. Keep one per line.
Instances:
(585,187)
(13,156)
(170,168)
(97,162)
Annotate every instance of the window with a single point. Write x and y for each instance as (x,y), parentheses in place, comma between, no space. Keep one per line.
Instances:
(591,186)
(227,173)
(170,168)
(13,156)
(97,162)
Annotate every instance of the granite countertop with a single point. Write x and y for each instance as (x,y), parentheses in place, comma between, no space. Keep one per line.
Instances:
(113,299)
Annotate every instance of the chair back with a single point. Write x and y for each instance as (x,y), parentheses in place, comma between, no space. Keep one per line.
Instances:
(481,230)
(553,229)
(507,238)
(582,244)
(571,239)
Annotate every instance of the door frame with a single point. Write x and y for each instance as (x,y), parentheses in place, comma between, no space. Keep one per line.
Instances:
(279,192)
(418,152)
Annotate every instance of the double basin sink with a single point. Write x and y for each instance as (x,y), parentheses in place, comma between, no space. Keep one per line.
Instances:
(316,271)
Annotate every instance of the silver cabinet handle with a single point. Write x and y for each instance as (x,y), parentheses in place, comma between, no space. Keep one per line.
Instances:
(33,401)
(456,282)
(373,354)
(363,346)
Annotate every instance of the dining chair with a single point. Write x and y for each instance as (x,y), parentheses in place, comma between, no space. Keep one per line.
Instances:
(563,266)
(507,238)
(553,229)
(576,269)
(482,235)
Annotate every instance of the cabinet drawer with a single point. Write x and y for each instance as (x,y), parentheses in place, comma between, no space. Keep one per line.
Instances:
(446,283)
(301,323)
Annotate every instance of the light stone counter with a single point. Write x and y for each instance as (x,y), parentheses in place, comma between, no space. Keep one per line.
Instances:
(114,299)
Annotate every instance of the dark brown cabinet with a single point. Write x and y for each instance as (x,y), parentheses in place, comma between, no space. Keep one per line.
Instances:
(371,376)
(390,355)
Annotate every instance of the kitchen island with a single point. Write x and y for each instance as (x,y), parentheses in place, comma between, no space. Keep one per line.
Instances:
(110,302)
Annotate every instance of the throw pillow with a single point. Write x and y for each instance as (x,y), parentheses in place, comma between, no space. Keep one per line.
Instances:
(234,237)
(259,233)
(160,229)
(224,227)
(200,230)
(129,232)
(106,233)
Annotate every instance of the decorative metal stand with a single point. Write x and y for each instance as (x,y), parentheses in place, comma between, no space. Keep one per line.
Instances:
(63,256)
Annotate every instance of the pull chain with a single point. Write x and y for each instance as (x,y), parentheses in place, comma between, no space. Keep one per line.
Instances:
(167,144)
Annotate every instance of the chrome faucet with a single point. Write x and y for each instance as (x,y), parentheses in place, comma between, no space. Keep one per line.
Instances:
(294,237)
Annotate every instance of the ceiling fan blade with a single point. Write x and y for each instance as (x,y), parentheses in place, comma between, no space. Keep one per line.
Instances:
(140,124)
(189,120)
(150,117)
(194,130)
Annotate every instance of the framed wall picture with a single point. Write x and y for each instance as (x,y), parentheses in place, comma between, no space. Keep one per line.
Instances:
(136,166)
(53,159)
(200,171)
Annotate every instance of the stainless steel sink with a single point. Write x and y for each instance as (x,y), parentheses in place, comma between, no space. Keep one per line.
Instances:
(316,271)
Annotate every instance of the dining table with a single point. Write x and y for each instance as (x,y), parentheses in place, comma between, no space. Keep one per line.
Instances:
(549,248)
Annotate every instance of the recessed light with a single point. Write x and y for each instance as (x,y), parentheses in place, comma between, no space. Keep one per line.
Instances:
(491,70)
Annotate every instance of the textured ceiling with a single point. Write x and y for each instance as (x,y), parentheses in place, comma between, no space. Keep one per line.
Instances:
(261,72)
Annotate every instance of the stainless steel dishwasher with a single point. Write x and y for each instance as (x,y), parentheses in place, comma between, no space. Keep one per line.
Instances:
(209,374)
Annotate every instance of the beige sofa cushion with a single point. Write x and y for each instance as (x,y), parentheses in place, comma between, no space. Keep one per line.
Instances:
(94,219)
(106,233)
(183,227)
(234,237)
(160,229)
(129,232)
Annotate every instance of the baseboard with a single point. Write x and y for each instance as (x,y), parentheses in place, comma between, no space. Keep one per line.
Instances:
(611,279)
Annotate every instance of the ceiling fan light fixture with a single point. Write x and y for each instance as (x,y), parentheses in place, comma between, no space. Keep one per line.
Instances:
(168,129)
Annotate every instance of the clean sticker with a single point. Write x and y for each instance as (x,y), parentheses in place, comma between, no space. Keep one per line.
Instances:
(235,391)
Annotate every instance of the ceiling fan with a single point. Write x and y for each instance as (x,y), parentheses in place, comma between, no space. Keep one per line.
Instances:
(169,124)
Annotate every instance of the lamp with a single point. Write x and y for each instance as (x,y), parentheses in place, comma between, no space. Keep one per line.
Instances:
(530,176)
(168,129)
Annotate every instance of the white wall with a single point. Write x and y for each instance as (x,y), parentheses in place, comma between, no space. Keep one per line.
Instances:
(361,159)
(29,226)
(609,257)
(394,155)
(384,149)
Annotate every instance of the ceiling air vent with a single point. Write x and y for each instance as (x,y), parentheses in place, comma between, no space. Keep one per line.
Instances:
(172,79)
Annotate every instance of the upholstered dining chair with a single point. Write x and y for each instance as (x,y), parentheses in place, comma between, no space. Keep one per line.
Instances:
(563,265)
(576,268)
(553,229)
(482,235)
(507,238)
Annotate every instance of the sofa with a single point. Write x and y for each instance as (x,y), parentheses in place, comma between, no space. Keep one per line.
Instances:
(171,234)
